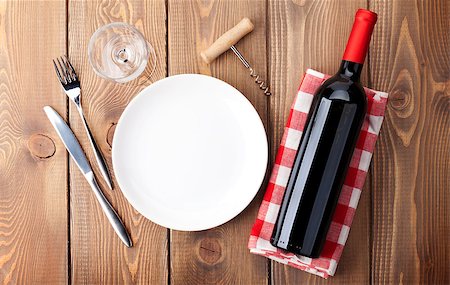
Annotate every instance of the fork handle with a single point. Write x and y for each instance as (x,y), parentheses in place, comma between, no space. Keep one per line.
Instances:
(98,155)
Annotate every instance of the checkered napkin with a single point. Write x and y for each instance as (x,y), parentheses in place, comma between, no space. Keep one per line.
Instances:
(326,264)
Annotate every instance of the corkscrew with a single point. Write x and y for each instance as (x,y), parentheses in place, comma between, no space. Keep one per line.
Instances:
(228,41)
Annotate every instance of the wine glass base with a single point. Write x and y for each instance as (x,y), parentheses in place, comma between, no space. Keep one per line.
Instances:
(119,52)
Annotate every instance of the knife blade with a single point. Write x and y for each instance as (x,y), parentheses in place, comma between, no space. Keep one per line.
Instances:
(76,152)
(69,140)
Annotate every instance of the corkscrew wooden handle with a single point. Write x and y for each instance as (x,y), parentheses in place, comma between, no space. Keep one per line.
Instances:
(224,42)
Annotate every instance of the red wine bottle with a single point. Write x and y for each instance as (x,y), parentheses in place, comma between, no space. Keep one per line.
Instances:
(326,148)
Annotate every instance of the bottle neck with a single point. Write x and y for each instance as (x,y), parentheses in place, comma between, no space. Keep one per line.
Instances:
(359,39)
(358,44)
(351,70)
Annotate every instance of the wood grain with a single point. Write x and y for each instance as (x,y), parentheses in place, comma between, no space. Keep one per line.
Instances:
(313,34)
(401,229)
(410,59)
(98,256)
(219,255)
(33,161)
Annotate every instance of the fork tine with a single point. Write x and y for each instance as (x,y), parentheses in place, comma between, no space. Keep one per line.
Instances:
(62,73)
(57,72)
(74,75)
(68,70)
(64,70)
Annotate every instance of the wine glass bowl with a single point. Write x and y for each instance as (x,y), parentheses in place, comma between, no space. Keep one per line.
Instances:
(119,52)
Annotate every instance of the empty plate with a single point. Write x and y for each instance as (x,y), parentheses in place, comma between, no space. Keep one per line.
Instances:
(190,152)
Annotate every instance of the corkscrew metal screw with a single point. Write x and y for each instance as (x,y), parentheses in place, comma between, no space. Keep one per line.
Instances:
(262,84)
(227,41)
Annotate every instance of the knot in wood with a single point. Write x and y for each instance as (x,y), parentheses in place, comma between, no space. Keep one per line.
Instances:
(41,146)
(399,99)
(110,134)
(401,94)
(210,250)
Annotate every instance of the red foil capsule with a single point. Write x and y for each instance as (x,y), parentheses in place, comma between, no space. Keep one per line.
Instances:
(359,39)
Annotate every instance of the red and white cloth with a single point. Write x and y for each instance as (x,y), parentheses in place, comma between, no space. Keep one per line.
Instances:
(326,264)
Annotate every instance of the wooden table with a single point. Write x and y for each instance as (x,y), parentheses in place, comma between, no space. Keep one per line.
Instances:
(52,230)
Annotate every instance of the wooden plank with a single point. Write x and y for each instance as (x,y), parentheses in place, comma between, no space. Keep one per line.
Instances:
(219,255)
(410,59)
(98,256)
(313,34)
(33,161)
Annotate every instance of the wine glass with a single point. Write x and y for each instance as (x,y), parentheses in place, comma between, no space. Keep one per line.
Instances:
(119,52)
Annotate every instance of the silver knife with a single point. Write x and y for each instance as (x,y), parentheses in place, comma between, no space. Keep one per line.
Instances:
(73,147)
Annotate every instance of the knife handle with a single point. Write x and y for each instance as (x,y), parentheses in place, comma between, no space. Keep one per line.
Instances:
(109,211)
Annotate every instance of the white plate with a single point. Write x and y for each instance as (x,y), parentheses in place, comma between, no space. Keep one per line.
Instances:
(190,152)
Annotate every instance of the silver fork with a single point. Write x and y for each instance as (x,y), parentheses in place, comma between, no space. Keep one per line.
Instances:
(69,81)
